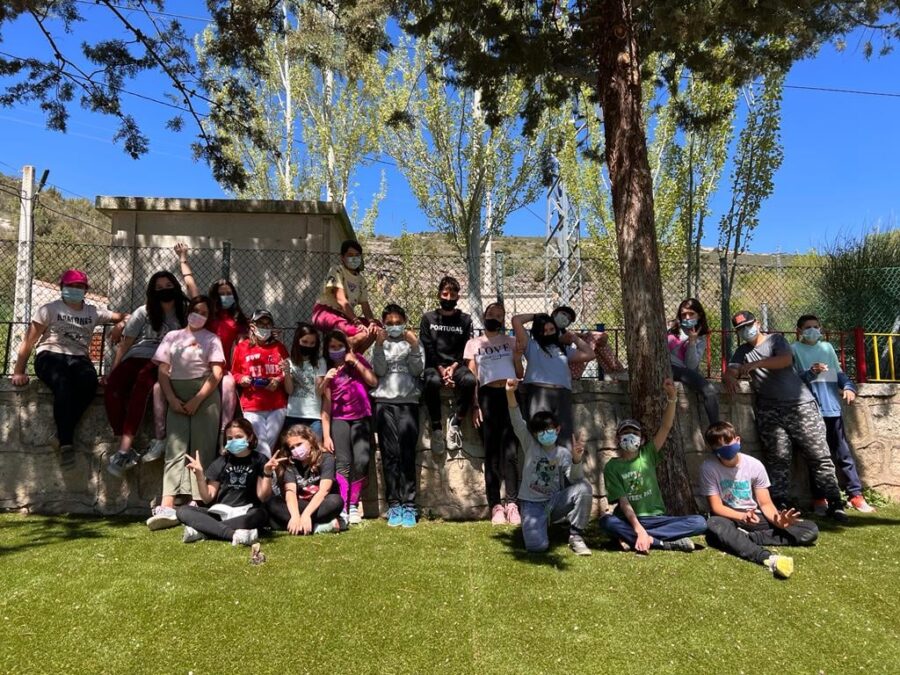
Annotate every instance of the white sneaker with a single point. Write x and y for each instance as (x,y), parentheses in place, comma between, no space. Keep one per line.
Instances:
(355,517)
(156,450)
(244,537)
(191,535)
(330,526)
(454,438)
(163,517)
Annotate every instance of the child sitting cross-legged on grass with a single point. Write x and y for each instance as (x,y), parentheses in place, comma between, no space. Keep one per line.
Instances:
(234,487)
(743,518)
(639,521)
(553,488)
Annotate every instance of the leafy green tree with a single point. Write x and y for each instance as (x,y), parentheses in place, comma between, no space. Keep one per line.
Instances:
(466,176)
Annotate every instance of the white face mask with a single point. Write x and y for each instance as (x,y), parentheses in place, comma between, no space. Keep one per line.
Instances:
(263,334)
(562,320)
(630,442)
(395,331)
(811,335)
(354,262)
(749,333)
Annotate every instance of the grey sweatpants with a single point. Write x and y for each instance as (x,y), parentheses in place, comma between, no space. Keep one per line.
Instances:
(571,504)
(783,428)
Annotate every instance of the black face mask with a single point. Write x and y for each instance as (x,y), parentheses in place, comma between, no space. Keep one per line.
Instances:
(547,340)
(308,352)
(166,294)
(447,305)
(493,325)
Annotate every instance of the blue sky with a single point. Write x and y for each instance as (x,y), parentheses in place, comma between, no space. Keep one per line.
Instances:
(840,176)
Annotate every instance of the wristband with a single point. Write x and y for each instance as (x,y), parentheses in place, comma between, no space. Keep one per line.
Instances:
(267,475)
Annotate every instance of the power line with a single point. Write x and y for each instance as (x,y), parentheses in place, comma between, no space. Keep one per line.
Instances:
(201,19)
(836,90)
(41,205)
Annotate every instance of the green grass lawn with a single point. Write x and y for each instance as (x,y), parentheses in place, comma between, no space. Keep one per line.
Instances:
(90,596)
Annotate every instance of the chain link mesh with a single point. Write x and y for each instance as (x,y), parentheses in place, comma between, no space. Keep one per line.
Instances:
(287,282)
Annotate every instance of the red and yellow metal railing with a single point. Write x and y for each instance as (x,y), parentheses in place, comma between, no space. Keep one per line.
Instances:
(880,347)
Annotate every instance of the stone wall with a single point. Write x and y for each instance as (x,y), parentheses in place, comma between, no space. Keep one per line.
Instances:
(450,486)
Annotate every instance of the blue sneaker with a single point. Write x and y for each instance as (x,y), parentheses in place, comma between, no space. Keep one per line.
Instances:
(395,516)
(409,516)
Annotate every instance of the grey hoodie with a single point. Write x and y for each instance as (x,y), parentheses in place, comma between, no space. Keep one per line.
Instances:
(399,370)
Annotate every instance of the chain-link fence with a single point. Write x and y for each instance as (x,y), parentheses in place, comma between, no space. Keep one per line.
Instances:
(287,283)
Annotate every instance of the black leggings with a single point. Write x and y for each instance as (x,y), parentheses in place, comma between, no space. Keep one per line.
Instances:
(73,381)
(328,510)
(725,535)
(398,436)
(501,448)
(352,441)
(212,525)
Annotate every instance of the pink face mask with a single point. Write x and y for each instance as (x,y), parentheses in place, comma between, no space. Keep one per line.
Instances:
(300,452)
(196,321)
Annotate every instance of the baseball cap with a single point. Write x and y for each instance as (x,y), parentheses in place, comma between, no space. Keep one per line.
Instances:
(262,314)
(742,318)
(73,276)
(627,424)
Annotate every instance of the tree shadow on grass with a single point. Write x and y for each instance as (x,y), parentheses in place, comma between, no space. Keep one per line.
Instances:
(552,557)
(35,532)
(868,520)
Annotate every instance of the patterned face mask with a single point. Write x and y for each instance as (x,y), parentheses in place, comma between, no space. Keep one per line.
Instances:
(547,437)
(630,442)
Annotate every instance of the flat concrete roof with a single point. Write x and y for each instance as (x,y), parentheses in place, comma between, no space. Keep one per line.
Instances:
(110,205)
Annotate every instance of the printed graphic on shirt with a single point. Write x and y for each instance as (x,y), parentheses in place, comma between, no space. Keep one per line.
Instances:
(636,486)
(308,486)
(237,476)
(263,365)
(545,473)
(441,328)
(735,491)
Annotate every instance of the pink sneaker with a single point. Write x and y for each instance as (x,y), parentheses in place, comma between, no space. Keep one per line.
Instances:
(498,515)
(512,514)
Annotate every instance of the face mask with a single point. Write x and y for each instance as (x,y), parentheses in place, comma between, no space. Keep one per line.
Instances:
(354,262)
(263,333)
(166,294)
(337,355)
(301,452)
(308,352)
(196,321)
(562,320)
(630,442)
(447,305)
(749,333)
(227,301)
(395,331)
(811,335)
(688,324)
(547,340)
(493,325)
(547,437)
(728,451)
(73,295)
(237,445)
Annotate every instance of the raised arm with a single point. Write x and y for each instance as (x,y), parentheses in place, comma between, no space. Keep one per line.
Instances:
(521,333)
(668,418)
(190,284)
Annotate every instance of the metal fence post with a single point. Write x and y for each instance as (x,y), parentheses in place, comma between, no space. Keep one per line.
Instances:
(725,309)
(226,259)
(764,316)
(498,274)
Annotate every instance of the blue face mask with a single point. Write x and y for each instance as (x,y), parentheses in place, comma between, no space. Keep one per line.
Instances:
(749,333)
(237,445)
(547,437)
(688,324)
(728,451)
(70,294)
(227,301)
(811,335)
(395,331)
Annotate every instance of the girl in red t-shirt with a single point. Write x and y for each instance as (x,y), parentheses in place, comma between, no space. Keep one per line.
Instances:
(258,366)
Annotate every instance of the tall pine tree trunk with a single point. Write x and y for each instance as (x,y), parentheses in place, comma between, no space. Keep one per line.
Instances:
(619,88)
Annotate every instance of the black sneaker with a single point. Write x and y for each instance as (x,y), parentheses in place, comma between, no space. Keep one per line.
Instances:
(685,545)
(120,462)
(838,515)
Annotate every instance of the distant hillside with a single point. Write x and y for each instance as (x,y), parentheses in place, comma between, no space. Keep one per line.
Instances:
(56,218)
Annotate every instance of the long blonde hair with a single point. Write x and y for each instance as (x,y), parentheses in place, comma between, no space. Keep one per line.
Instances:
(309,436)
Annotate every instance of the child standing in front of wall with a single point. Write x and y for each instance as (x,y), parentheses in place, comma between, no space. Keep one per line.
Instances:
(493,359)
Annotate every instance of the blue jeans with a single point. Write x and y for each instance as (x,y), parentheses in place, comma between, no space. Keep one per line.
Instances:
(571,505)
(661,528)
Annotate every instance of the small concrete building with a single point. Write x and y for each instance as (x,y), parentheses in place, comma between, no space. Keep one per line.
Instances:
(276,252)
